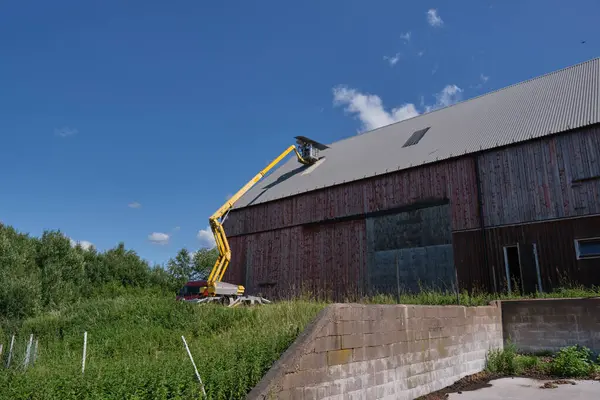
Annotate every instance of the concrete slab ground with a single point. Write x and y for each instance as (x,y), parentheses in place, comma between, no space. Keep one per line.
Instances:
(529,389)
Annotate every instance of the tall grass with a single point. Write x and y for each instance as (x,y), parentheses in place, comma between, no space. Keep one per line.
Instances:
(431,297)
(135,349)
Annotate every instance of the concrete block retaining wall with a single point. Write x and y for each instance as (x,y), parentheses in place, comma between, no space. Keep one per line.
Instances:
(550,324)
(354,351)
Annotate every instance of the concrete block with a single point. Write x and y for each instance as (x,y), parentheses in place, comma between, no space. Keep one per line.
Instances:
(375,352)
(359,354)
(302,378)
(311,393)
(353,341)
(313,361)
(336,357)
(327,343)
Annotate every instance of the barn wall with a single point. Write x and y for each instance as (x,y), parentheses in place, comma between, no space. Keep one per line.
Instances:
(327,259)
(555,244)
(293,241)
(452,180)
(545,179)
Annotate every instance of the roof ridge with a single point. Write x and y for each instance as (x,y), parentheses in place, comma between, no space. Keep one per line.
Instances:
(580,64)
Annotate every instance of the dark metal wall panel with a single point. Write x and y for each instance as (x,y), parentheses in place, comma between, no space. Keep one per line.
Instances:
(555,247)
(410,250)
(324,259)
(556,177)
(452,180)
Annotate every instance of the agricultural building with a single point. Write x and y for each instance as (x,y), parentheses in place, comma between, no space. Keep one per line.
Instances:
(498,191)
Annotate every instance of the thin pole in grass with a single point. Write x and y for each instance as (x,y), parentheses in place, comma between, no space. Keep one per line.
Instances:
(194,364)
(1,348)
(10,351)
(84,351)
(35,350)
(28,353)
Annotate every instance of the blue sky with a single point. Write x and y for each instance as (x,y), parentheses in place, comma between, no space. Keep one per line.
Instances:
(120,120)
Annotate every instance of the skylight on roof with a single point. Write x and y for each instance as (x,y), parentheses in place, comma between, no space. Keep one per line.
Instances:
(415,137)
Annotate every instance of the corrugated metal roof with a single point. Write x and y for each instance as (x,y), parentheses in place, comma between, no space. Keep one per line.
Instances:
(555,102)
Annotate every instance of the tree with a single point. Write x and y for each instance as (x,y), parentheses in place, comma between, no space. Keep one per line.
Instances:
(203,262)
(181,267)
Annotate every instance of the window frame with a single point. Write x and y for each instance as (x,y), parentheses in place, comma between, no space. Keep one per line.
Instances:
(578,248)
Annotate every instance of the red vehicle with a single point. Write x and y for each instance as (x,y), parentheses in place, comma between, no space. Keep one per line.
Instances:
(192,290)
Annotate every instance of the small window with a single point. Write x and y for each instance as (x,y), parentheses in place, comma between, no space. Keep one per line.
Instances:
(416,137)
(587,248)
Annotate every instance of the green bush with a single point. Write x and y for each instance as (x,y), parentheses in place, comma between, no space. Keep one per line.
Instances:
(504,361)
(573,361)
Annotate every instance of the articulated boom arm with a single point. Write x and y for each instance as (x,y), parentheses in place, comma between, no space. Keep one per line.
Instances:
(216,219)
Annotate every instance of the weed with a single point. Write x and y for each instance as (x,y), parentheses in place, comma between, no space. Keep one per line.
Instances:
(504,361)
(573,361)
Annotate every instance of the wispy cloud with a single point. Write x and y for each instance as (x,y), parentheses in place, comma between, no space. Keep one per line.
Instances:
(83,243)
(177,229)
(482,81)
(449,95)
(135,204)
(435,69)
(369,108)
(392,60)
(206,238)
(159,238)
(420,53)
(433,18)
(65,131)
(406,36)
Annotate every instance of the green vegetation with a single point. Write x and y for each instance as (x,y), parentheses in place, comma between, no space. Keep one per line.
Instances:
(47,273)
(135,350)
(56,290)
(569,362)
(431,297)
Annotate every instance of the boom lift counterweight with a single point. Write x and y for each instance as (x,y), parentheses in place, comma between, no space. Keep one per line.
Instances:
(307,152)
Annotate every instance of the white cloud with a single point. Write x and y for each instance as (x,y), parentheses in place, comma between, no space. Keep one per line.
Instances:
(83,243)
(420,54)
(484,78)
(405,36)
(159,238)
(177,228)
(206,238)
(433,18)
(449,95)
(435,69)
(369,108)
(65,131)
(392,60)
(135,204)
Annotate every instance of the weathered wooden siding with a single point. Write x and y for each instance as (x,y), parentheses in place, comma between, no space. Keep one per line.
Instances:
(453,180)
(555,242)
(556,177)
(327,259)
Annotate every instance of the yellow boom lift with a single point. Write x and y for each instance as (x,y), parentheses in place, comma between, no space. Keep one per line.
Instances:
(307,153)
